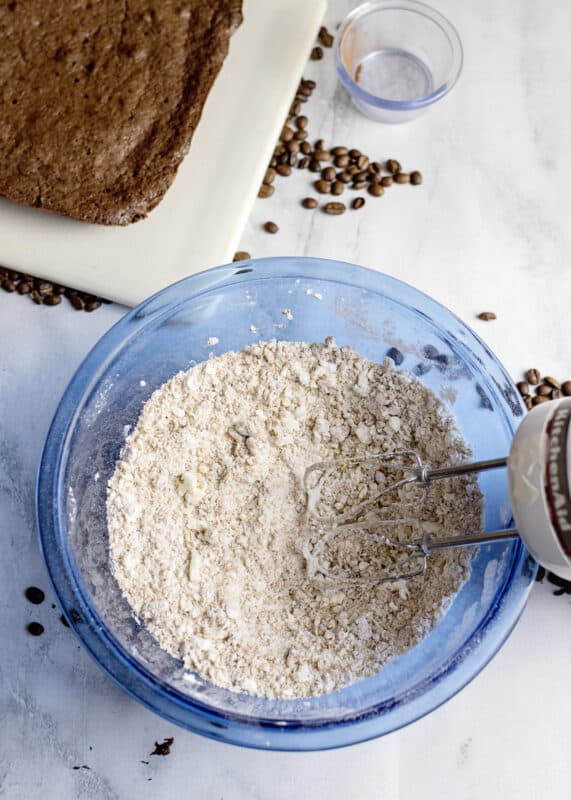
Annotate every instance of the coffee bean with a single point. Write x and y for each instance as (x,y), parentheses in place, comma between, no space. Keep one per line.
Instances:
(301,122)
(342,160)
(309,202)
(52,300)
(544,390)
(304,90)
(59,289)
(362,162)
(279,150)
(305,148)
(325,37)
(358,185)
(242,255)
(292,160)
(35,628)
(352,169)
(362,175)
(271,227)
(286,134)
(486,316)
(396,355)
(295,108)
(93,305)
(376,167)
(13,275)
(3,272)
(339,151)
(265,190)
(523,388)
(354,153)
(566,388)
(386,181)
(344,177)
(334,208)
(358,202)
(328,174)
(323,187)
(284,170)
(8,285)
(556,394)
(402,177)
(337,187)
(551,381)
(300,136)
(35,595)
(376,190)
(76,302)
(539,399)
(430,352)
(316,54)
(322,155)
(528,402)
(24,287)
(416,178)
(309,83)
(320,145)
(393,166)
(533,376)
(314,165)
(36,297)
(303,163)
(270,176)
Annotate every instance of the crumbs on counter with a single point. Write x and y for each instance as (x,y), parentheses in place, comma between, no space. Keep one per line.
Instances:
(163,748)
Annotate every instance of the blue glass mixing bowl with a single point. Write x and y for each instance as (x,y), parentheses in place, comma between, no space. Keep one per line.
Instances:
(239,304)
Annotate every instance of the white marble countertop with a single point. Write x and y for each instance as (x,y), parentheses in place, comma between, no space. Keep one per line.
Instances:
(488,230)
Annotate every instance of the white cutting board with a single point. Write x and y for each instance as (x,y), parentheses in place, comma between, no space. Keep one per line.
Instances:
(199,222)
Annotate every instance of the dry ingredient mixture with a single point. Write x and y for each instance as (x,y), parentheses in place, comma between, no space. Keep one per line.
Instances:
(207,517)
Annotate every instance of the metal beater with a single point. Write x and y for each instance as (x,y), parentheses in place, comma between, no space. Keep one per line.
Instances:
(539,475)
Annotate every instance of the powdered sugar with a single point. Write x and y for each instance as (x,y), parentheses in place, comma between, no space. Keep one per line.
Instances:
(207,517)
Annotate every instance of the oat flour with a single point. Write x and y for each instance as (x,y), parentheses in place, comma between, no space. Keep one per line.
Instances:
(206,515)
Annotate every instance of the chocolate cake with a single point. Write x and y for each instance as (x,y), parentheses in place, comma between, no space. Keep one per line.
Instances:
(100,98)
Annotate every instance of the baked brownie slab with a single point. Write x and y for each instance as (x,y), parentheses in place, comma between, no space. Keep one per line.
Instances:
(99,99)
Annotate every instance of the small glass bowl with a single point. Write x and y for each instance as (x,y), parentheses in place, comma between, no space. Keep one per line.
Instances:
(397,59)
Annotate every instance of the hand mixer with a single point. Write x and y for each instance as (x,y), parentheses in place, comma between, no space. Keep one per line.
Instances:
(539,476)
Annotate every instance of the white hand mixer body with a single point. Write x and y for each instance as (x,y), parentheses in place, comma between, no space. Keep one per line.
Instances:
(539,475)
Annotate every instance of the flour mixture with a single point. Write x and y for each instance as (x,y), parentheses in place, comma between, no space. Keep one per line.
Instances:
(206,514)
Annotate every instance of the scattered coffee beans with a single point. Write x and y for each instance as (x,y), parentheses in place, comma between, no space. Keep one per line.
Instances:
(402,177)
(322,186)
(35,629)
(316,54)
(271,227)
(486,316)
(358,202)
(242,255)
(43,292)
(334,208)
(393,166)
(35,595)
(533,376)
(309,202)
(396,355)
(325,37)
(416,178)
